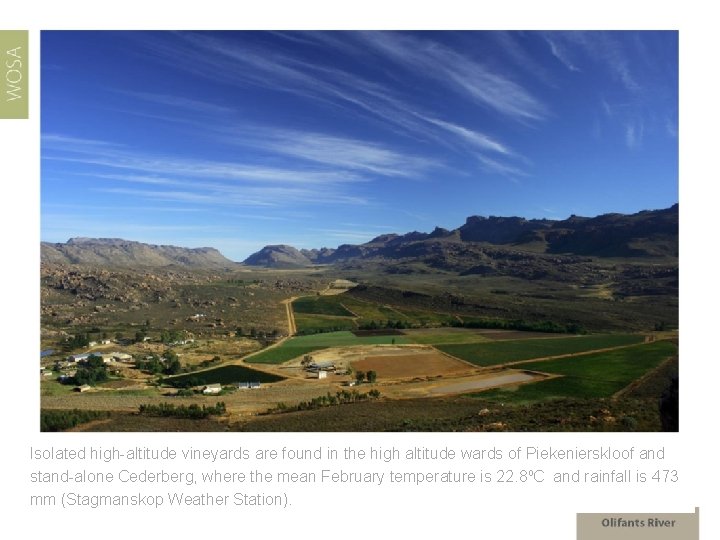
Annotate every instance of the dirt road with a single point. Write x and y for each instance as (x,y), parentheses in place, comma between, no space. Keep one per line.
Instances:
(292,329)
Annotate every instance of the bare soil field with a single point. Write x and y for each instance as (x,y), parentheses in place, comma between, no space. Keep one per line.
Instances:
(468,382)
(412,362)
(506,377)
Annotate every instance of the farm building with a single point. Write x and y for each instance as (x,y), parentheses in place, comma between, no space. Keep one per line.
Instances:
(212,389)
(83,388)
(322,374)
(243,385)
(79,357)
(122,357)
(105,342)
(321,366)
(181,342)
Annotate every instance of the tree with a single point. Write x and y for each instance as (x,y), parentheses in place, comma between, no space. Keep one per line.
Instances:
(239,331)
(172,367)
(90,371)
(152,364)
(371,376)
(359,376)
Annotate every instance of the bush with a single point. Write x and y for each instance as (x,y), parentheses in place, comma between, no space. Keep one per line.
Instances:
(183,411)
(52,420)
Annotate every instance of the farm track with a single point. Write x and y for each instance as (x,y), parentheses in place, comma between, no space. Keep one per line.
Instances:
(292,328)
(350,311)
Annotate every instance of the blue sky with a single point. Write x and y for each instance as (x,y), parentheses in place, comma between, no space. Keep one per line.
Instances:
(236,140)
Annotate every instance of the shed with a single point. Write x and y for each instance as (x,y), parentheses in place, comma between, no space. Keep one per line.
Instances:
(322,366)
(83,388)
(322,374)
(212,389)
(78,357)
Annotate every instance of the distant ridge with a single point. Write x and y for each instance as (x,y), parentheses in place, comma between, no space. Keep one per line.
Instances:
(645,234)
(117,252)
(278,256)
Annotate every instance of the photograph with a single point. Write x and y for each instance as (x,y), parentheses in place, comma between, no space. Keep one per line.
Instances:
(359,231)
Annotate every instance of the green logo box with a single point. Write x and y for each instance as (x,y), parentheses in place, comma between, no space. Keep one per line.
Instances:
(14,74)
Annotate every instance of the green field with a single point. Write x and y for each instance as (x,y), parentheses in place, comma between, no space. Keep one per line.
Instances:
(300,345)
(315,323)
(444,336)
(222,375)
(500,352)
(320,305)
(313,313)
(589,376)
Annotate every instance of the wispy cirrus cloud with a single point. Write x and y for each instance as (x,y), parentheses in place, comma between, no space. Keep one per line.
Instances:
(560,52)
(368,98)
(474,138)
(459,72)
(332,151)
(200,181)
(234,196)
(178,102)
(597,48)
(634,132)
(150,164)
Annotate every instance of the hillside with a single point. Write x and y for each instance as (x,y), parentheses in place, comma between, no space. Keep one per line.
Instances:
(115,252)
(486,244)
(279,256)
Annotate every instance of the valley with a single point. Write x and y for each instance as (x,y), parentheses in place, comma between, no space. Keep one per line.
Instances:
(472,329)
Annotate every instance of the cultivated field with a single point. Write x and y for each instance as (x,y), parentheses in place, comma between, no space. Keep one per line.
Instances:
(408,362)
(298,346)
(502,352)
(593,375)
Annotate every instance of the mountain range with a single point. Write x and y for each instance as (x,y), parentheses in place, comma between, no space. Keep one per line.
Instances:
(473,246)
(482,245)
(126,253)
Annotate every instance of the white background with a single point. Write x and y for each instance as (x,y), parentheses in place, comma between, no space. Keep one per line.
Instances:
(517,511)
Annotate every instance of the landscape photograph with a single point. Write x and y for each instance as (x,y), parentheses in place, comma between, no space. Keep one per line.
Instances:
(306,231)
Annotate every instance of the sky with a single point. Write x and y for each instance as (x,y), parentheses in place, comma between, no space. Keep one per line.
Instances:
(237,140)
